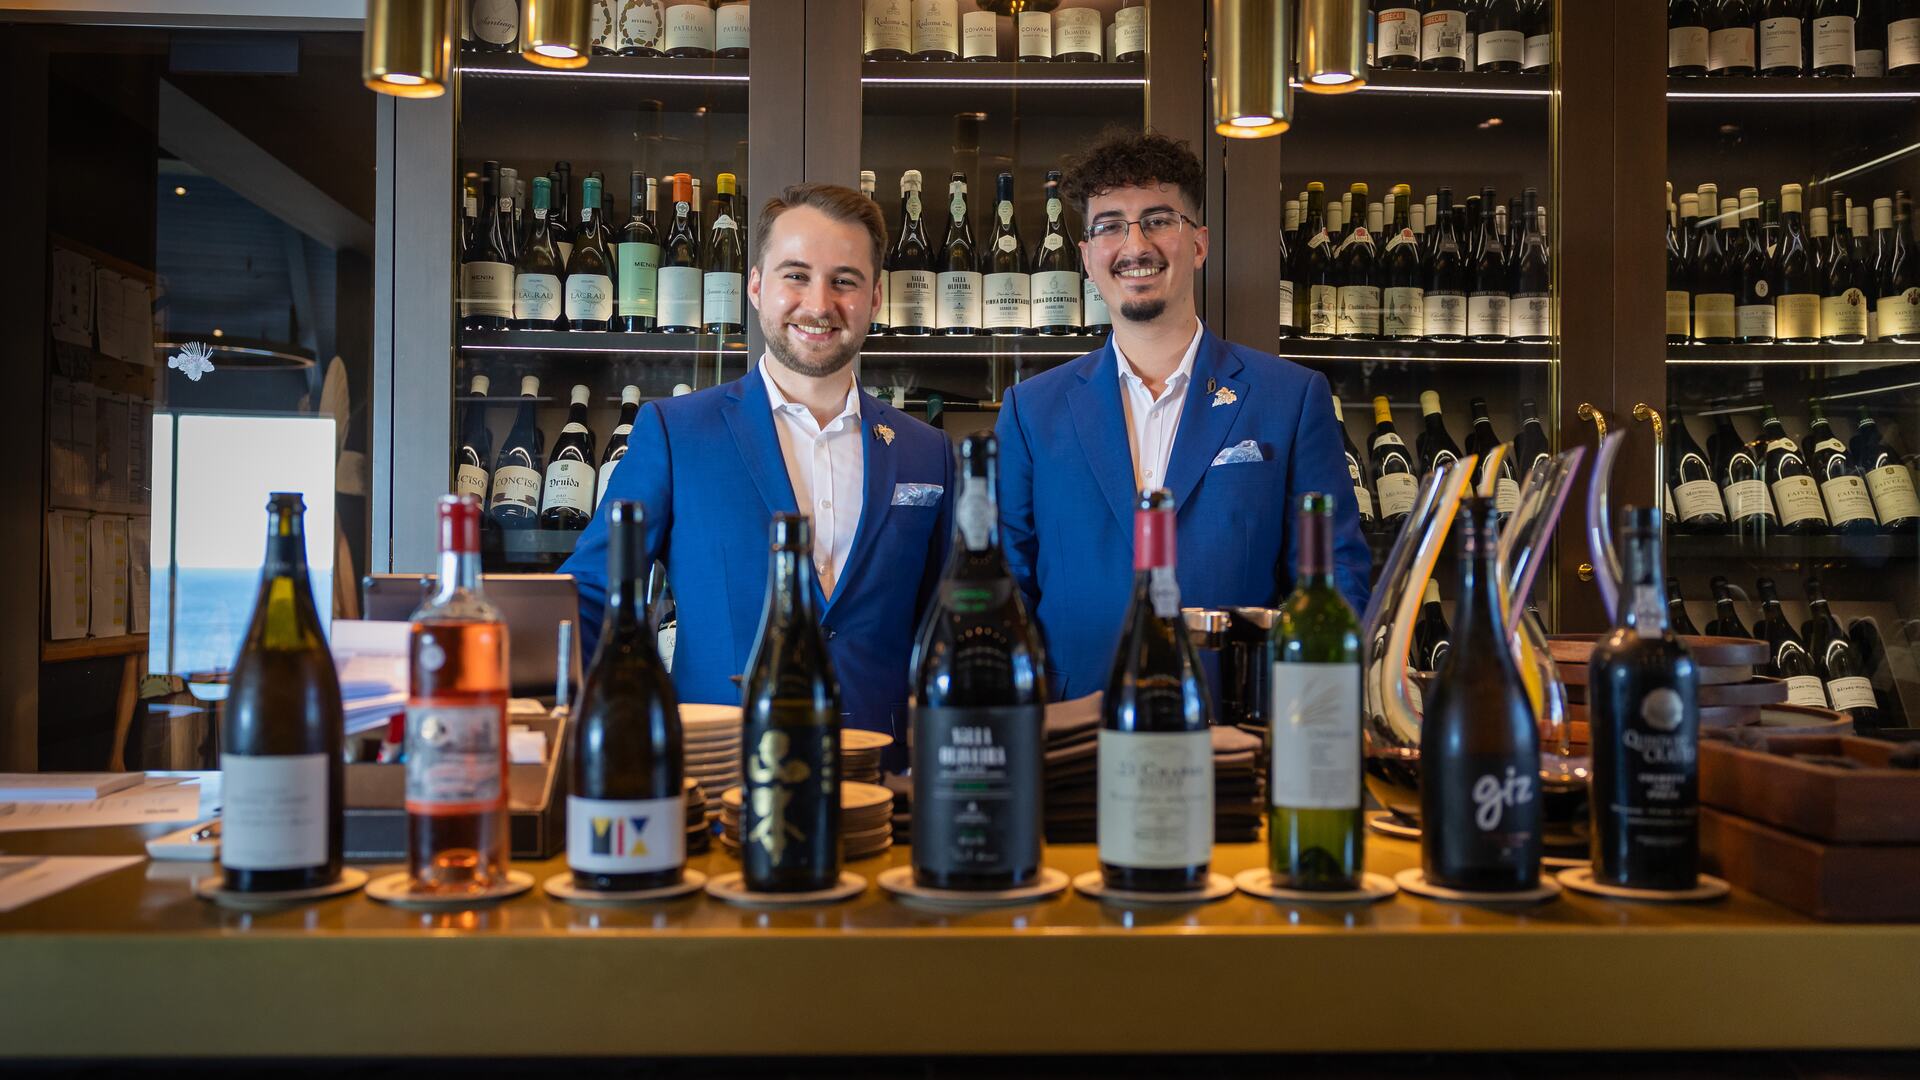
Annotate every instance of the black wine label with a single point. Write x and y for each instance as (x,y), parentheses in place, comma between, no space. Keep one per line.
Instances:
(1481,816)
(1646,781)
(976,775)
(790,801)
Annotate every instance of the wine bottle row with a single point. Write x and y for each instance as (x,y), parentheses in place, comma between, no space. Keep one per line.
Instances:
(1791,38)
(1740,273)
(1393,472)
(1410,270)
(696,30)
(522,487)
(1068,31)
(1494,37)
(533,264)
(999,287)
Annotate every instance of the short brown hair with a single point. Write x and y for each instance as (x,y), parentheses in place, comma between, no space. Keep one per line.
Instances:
(1121,158)
(839,203)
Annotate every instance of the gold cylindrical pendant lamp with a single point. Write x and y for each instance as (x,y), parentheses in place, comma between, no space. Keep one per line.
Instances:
(407,47)
(1252,42)
(1333,45)
(554,33)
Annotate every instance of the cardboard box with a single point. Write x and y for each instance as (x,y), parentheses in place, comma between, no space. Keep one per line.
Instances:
(69,592)
(107,564)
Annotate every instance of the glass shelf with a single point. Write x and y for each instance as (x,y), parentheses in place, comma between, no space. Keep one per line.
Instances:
(558,342)
(1689,91)
(678,85)
(1416,353)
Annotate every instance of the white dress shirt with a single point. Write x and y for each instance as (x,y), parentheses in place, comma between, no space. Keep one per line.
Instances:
(1152,422)
(827,467)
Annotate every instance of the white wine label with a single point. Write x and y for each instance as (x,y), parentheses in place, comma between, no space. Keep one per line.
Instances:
(537,297)
(1398,32)
(1847,500)
(1832,40)
(1155,808)
(1851,692)
(496,22)
(959,300)
(1730,48)
(1093,309)
(1506,494)
(486,288)
(1844,315)
(689,26)
(1869,63)
(1445,314)
(1780,42)
(1443,34)
(889,26)
(604,480)
(1006,243)
(732,27)
(1746,498)
(1487,315)
(456,757)
(979,35)
(639,266)
(1402,311)
(1130,31)
(640,24)
(1903,43)
(1686,46)
(1713,316)
(1798,499)
(1052,242)
(1006,302)
(516,485)
(274,813)
(1076,30)
(1754,321)
(720,297)
(603,30)
(1397,492)
(1539,53)
(1679,313)
(1531,315)
(1365,500)
(1315,736)
(1696,497)
(569,484)
(1797,315)
(589,298)
(1359,309)
(1036,35)
(1323,310)
(681,295)
(1056,298)
(626,836)
(1500,46)
(1893,495)
(1806,690)
(470,480)
(910,297)
(975,516)
(1900,315)
(936,26)
(1286,303)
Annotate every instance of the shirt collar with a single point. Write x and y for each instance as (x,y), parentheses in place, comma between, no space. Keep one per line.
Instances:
(781,403)
(1181,374)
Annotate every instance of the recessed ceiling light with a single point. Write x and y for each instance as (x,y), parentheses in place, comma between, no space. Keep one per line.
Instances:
(179,191)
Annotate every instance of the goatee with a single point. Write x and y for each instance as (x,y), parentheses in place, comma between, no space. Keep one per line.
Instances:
(1142,310)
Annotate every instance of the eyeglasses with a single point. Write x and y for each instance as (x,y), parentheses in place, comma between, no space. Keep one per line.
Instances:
(1154,226)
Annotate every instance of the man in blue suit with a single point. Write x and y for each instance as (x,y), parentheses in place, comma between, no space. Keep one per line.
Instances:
(1236,434)
(794,435)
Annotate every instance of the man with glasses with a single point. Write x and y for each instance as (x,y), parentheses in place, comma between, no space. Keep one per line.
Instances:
(1236,434)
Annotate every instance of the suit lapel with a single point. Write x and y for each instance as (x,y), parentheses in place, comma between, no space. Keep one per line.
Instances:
(1207,416)
(880,464)
(1101,423)
(749,415)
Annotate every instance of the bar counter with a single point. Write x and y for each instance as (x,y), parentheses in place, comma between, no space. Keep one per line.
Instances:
(133,964)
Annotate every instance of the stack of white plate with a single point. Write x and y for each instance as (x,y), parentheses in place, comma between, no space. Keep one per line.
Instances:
(866,820)
(860,755)
(712,734)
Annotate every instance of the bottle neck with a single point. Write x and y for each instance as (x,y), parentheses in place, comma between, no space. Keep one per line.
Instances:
(1316,551)
(1644,607)
(1154,581)
(1480,614)
(790,598)
(459,572)
(286,548)
(976,513)
(627,578)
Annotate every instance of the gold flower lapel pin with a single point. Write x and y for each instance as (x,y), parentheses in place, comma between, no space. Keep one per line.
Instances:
(885,433)
(1224,396)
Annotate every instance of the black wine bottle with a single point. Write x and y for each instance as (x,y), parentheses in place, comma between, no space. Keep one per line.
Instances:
(1432,639)
(1677,617)
(1499,38)
(1056,270)
(1841,670)
(957,280)
(566,495)
(1449,275)
(637,257)
(1726,618)
(1530,443)
(1754,316)
(1898,287)
(1489,305)
(1737,469)
(1391,464)
(486,269)
(1355,473)
(1795,493)
(1903,38)
(1443,35)
(1482,440)
(1715,278)
(538,299)
(1006,284)
(559,222)
(616,442)
(1687,37)
(1531,312)
(1318,307)
(1696,497)
(1403,299)
(1832,34)
(1795,275)
(476,443)
(1679,289)
(1889,481)
(515,501)
(910,273)
(1781,51)
(1730,38)
(1436,448)
(1872,650)
(1397,34)
(589,289)
(1788,659)
(1842,486)
(1843,305)
(1357,262)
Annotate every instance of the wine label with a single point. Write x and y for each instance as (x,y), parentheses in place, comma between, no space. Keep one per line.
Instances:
(640,24)
(1686,46)
(1851,692)
(977,788)
(1506,494)
(1798,499)
(1076,30)
(1893,494)
(1844,315)
(603,30)
(1130,31)
(1443,34)
(1730,48)
(910,297)
(1679,313)
(1780,42)
(516,485)
(536,297)
(1713,316)
(1797,315)
(1806,690)
(496,22)
(1403,312)
(1832,40)
(1539,53)
(1056,298)
(1847,499)
(1035,31)
(639,280)
(681,293)
(486,288)
(1155,806)
(1398,32)
(1487,314)
(936,26)
(1747,498)
(790,805)
(732,27)
(470,480)
(1531,316)
(889,26)
(1903,43)
(605,478)
(720,298)
(589,298)
(569,484)
(1754,322)
(1359,309)
(1445,314)
(274,813)
(1093,309)
(979,35)
(1006,302)
(626,836)
(1696,498)
(688,26)
(1900,315)
(958,293)
(1323,310)
(1869,63)
(1397,492)
(1286,303)
(456,757)
(1499,46)
(1314,723)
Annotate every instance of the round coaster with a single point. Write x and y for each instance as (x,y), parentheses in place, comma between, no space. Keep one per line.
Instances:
(1705,887)
(861,739)
(1414,880)
(899,882)
(1564,862)
(561,887)
(1259,882)
(392,889)
(696,714)
(1386,824)
(214,889)
(1219,886)
(733,889)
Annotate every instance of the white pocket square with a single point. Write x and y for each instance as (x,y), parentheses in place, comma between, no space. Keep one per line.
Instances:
(1242,451)
(917,494)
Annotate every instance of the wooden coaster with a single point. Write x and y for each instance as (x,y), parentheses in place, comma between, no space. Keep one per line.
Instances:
(1705,887)
(1564,862)
(561,887)
(394,889)
(858,739)
(899,882)
(1414,880)
(1386,824)
(1093,884)
(214,889)
(1259,882)
(733,889)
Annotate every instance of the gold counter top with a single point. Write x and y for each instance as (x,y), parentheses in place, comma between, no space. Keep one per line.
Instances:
(133,964)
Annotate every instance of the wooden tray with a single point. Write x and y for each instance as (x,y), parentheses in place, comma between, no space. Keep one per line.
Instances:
(1715,716)
(1570,649)
(1758,690)
(1784,719)
(1844,882)
(1576,674)
(1870,805)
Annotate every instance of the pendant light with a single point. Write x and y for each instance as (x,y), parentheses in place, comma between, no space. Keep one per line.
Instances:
(1251,41)
(553,33)
(407,47)
(1333,45)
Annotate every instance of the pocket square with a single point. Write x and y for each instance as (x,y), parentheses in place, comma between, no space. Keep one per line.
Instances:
(917,494)
(1242,451)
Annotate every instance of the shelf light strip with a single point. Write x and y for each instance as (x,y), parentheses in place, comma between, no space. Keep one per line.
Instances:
(1795,95)
(601,350)
(1454,91)
(1056,354)
(1790,359)
(589,73)
(1017,83)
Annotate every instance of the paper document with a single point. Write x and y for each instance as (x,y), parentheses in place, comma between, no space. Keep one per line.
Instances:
(64,787)
(26,878)
(158,799)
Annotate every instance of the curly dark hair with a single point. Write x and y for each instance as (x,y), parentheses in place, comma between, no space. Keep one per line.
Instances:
(1122,158)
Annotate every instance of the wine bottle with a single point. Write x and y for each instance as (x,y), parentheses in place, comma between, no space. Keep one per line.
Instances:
(882,310)
(476,443)
(537,295)
(1795,493)
(1432,638)
(1094,316)
(722,282)
(456,738)
(1499,40)
(1033,34)
(1841,670)
(566,500)
(1448,277)
(1899,285)
(1696,497)
(887,30)
(1842,487)
(1539,30)
(1903,38)
(1360,494)
(515,502)
(1530,443)
(1730,39)
(1889,481)
(1394,478)
(495,25)
(1736,467)
(1402,314)
(1289,230)
(1531,312)
(1797,300)
(640,27)
(1315,838)
(680,280)
(1489,305)
(1833,26)
(1872,651)
(1788,659)
(1321,309)
(732,29)
(637,255)
(1687,38)
(626,807)
(1155,813)
(1843,306)
(589,288)
(516,218)
(687,31)
(1643,700)
(283,741)
(1397,35)
(936,30)
(1443,35)
(1130,32)
(1479,749)
(1715,278)
(1435,447)
(1870,41)
(1779,35)
(1056,265)
(790,805)
(1006,285)
(1355,265)
(1677,617)
(617,442)
(486,270)
(979,37)
(1077,34)
(1482,440)
(1679,290)
(957,283)
(1726,621)
(979,705)
(910,274)
(1754,314)
(559,219)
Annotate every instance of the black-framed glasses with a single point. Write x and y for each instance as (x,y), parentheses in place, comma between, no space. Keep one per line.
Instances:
(1160,223)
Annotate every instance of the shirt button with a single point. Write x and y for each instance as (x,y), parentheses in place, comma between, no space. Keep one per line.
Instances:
(826,504)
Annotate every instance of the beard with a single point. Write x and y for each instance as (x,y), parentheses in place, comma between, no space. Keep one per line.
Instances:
(1142,310)
(775,332)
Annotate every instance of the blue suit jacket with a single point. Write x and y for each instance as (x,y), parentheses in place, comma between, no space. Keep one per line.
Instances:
(1067,497)
(708,470)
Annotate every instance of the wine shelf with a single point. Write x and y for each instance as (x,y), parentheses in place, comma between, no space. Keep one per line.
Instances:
(1878,353)
(1752,88)
(1383,82)
(529,548)
(908,87)
(1415,353)
(1853,553)
(588,343)
(677,85)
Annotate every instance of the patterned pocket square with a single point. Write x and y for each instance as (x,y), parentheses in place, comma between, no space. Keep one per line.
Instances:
(917,494)
(1243,451)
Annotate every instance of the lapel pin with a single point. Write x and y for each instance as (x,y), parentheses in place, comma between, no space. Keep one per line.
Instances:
(1224,396)
(885,433)
(1209,385)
